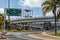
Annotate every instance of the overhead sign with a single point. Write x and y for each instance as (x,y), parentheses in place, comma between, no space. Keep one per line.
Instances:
(13,12)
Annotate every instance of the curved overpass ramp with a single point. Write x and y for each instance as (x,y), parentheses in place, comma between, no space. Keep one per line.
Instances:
(33,20)
(30,22)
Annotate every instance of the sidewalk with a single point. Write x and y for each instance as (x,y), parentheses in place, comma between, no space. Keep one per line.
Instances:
(2,39)
(43,36)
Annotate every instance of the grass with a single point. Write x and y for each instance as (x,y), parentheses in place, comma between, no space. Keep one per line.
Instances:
(53,33)
(16,31)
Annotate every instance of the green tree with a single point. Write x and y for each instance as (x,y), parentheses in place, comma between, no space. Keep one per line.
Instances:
(7,24)
(51,5)
(1,20)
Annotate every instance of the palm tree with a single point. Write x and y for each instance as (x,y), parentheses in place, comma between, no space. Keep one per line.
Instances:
(51,5)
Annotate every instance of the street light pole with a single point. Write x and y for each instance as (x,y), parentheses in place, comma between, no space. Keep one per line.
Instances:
(8,8)
(3,30)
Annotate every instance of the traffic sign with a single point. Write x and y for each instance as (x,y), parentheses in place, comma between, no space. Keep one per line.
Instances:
(13,12)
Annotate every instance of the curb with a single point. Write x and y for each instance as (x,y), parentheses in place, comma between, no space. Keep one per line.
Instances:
(35,37)
(44,33)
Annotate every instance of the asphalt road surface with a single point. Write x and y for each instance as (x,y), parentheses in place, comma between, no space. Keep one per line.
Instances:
(19,36)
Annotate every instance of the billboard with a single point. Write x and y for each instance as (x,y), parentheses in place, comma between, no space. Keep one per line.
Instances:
(13,12)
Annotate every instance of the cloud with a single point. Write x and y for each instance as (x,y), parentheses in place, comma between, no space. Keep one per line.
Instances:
(1,10)
(31,3)
(50,14)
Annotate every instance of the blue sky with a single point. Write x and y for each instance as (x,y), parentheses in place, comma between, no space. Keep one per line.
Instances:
(34,5)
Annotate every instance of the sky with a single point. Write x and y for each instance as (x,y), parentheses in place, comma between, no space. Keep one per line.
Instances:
(33,5)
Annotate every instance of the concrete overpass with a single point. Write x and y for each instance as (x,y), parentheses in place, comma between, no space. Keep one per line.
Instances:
(31,22)
(43,19)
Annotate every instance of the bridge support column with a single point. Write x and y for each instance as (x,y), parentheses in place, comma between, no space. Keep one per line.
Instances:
(44,27)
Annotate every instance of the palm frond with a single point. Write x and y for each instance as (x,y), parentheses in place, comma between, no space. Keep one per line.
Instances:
(47,9)
(47,6)
(46,2)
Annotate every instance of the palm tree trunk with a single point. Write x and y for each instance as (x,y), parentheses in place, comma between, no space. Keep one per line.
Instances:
(54,11)
(55,26)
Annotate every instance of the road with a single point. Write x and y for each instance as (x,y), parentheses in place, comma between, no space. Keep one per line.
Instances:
(19,36)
